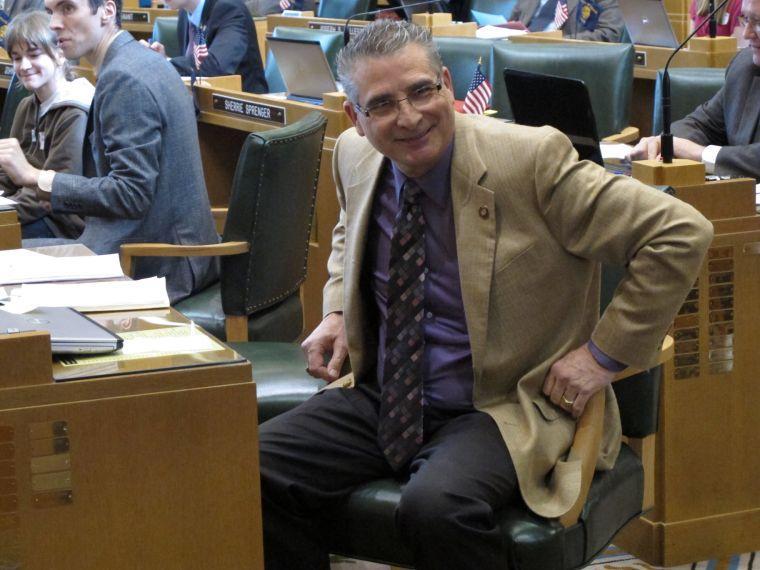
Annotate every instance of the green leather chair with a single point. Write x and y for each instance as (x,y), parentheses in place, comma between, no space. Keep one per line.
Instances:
(461,56)
(689,88)
(607,70)
(13,96)
(331,42)
(165,32)
(266,238)
(342,8)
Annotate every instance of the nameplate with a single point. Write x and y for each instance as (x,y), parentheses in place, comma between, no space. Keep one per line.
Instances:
(135,17)
(248,109)
(329,27)
(7,69)
(640,58)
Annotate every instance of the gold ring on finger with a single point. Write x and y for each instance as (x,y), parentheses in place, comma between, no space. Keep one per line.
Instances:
(567,402)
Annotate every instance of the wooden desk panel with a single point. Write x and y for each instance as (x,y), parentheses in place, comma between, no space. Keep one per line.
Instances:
(151,470)
(10,230)
(707,502)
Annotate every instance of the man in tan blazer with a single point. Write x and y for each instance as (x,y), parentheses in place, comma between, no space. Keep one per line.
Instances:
(514,231)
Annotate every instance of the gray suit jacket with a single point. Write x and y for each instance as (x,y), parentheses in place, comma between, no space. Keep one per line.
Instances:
(730,120)
(609,28)
(144,180)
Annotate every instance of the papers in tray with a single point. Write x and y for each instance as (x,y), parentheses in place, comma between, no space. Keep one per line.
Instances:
(24,266)
(147,293)
(615,150)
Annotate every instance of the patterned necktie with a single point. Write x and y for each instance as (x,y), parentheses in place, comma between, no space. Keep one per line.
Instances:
(400,425)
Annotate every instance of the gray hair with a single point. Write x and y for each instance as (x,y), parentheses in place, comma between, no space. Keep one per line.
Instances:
(380,38)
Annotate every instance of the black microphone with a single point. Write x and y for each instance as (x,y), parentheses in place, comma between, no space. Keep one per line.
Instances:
(713,21)
(347,33)
(666,139)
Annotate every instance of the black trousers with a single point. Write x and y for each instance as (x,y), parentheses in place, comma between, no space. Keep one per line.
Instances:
(314,455)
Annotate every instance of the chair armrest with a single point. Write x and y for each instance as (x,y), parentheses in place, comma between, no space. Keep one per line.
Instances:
(627,135)
(220,218)
(129,251)
(588,436)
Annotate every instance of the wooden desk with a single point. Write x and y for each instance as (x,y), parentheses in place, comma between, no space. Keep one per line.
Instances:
(222,134)
(143,464)
(139,21)
(707,493)
(10,230)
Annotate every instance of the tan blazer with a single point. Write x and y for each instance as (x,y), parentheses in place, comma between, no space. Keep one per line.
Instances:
(532,225)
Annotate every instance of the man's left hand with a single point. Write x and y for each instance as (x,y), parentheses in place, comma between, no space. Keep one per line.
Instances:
(15,164)
(574,378)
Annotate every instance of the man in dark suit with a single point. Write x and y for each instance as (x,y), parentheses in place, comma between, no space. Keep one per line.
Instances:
(723,133)
(595,20)
(226,28)
(143,180)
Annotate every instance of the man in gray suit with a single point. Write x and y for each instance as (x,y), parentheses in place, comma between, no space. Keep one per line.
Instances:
(143,180)
(595,20)
(723,133)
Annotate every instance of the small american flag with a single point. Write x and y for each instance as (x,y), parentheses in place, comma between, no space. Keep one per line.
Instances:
(560,14)
(478,94)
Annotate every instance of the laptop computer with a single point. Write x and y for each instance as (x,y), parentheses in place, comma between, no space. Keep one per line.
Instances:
(71,332)
(304,68)
(561,102)
(647,23)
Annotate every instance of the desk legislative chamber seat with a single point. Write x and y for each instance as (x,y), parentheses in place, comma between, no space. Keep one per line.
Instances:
(689,88)
(265,242)
(606,69)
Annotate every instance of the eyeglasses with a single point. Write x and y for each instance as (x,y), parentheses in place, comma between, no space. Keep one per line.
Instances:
(753,21)
(388,108)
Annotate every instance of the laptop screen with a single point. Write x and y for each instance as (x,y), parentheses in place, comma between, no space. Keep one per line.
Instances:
(303,67)
(560,102)
(648,23)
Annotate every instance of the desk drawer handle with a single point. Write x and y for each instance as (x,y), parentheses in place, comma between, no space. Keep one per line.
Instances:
(751,248)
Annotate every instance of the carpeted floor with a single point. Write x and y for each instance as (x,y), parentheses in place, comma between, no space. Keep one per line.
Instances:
(613,558)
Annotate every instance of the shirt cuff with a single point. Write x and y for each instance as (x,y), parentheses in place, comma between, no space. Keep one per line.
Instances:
(45,180)
(603,360)
(710,157)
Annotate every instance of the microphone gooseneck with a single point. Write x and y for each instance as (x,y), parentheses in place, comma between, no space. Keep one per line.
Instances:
(666,139)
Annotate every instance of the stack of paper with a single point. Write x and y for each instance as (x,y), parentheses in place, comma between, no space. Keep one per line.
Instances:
(24,266)
(95,296)
(496,32)
(7,203)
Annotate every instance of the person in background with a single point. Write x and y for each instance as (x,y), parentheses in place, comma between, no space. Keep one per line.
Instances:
(15,7)
(724,132)
(143,179)
(49,124)
(227,30)
(595,20)
(728,19)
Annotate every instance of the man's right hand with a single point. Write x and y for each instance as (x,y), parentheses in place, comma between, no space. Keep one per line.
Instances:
(648,148)
(329,338)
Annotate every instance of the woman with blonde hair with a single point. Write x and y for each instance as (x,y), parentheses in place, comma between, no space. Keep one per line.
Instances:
(49,124)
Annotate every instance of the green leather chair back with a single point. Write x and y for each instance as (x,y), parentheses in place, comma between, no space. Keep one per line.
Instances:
(13,96)
(331,43)
(689,88)
(461,56)
(342,8)
(500,7)
(272,207)
(606,69)
(165,31)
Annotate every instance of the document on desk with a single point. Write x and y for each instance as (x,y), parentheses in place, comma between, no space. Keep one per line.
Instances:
(24,266)
(7,204)
(496,32)
(92,296)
